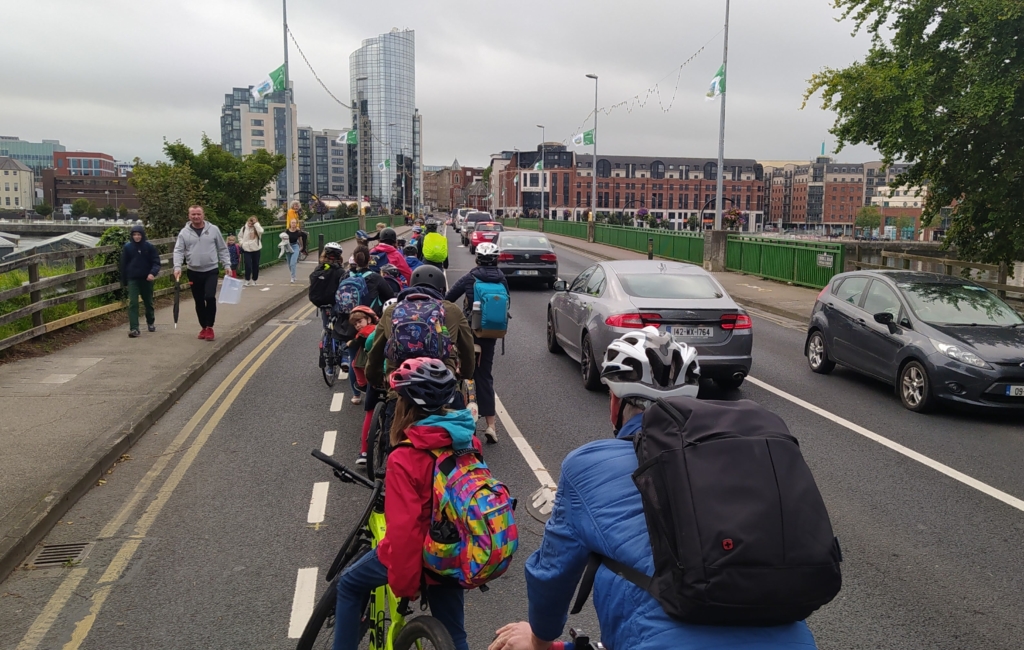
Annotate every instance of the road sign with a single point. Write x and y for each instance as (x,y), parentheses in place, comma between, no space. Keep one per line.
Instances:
(825,260)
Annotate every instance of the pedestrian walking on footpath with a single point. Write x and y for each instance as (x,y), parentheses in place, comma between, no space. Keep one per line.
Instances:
(140,264)
(235,252)
(251,241)
(202,247)
(295,241)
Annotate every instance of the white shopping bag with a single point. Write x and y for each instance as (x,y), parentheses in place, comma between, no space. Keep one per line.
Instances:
(230,291)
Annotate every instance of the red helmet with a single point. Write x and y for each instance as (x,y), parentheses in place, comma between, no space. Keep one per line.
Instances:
(363,309)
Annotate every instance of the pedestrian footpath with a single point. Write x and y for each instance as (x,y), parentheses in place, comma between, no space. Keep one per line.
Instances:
(781,299)
(68,416)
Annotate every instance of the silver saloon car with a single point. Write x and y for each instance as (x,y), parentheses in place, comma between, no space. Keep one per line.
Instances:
(609,299)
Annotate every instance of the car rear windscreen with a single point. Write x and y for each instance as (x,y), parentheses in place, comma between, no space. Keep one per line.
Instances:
(663,285)
(958,304)
(509,240)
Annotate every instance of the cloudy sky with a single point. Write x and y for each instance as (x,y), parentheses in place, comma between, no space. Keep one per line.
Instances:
(119,76)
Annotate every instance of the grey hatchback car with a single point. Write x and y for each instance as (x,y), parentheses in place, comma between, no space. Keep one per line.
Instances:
(934,337)
(609,299)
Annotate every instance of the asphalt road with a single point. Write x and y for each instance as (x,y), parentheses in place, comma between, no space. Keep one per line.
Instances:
(930,562)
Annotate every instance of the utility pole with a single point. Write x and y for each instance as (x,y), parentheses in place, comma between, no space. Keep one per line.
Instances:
(360,138)
(287,114)
(542,188)
(593,172)
(721,125)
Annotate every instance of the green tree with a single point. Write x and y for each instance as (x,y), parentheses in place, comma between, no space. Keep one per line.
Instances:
(353,210)
(904,223)
(92,211)
(109,212)
(79,207)
(233,187)
(868,219)
(486,176)
(165,193)
(44,209)
(941,87)
(122,211)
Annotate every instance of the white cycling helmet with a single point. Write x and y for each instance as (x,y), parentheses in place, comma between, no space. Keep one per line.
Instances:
(487,254)
(649,364)
(333,247)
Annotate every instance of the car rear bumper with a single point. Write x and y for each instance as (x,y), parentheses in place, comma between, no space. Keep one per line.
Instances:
(724,366)
(543,271)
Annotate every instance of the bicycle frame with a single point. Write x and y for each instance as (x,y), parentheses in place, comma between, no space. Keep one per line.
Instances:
(382,599)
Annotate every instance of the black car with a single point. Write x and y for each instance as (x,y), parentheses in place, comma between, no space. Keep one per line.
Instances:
(527,256)
(934,337)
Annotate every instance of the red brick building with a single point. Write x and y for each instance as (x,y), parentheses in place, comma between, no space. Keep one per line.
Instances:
(84,163)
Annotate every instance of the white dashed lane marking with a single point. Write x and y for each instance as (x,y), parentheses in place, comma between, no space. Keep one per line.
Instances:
(330,437)
(302,601)
(337,401)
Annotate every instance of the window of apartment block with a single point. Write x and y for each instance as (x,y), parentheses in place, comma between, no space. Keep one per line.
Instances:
(258,132)
(16,200)
(578,198)
(258,143)
(7,187)
(534,180)
(256,122)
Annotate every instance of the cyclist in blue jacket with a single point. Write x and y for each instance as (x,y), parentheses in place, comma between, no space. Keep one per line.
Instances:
(598,509)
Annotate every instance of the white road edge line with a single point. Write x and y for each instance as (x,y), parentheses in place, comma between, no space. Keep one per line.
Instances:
(318,503)
(330,437)
(984,488)
(537,467)
(337,401)
(302,601)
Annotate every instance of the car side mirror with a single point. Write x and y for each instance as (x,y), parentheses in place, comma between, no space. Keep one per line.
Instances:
(560,285)
(884,318)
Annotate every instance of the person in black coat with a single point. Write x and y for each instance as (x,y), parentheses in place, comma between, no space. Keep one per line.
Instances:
(140,264)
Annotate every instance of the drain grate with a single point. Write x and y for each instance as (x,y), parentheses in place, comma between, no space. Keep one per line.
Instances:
(52,555)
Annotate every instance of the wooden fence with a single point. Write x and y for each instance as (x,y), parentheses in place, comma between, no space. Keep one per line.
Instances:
(79,295)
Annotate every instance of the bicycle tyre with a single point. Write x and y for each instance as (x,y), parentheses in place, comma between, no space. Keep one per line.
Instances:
(381,448)
(328,367)
(376,425)
(319,630)
(424,628)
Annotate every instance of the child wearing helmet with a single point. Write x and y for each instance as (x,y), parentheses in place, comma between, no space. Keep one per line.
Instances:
(423,422)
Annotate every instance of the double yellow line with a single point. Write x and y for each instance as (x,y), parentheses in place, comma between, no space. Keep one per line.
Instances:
(232,385)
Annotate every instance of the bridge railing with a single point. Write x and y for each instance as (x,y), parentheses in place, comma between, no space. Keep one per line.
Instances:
(672,244)
(810,264)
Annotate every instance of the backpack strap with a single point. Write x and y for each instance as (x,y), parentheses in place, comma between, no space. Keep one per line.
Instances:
(638,578)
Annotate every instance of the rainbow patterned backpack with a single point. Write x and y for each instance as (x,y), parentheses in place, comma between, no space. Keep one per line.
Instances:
(472,535)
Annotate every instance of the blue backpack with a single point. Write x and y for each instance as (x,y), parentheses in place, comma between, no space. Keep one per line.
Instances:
(493,299)
(352,292)
(378,260)
(417,329)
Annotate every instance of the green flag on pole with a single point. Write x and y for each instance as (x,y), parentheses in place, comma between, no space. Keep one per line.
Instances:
(717,84)
(348,137)
(585,138)
(384,165)
(273,83)
(538,165)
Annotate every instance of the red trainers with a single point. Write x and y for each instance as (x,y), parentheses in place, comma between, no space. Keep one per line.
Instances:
(209,333)
(202,334)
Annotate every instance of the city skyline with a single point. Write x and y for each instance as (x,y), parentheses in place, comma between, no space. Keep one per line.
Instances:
(477,74)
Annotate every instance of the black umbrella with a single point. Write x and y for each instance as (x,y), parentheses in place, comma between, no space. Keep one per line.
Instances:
(177,298)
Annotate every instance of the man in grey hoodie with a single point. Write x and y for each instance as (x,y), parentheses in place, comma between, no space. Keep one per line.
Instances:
(201,246)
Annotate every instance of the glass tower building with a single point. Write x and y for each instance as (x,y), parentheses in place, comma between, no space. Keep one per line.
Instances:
(387,121)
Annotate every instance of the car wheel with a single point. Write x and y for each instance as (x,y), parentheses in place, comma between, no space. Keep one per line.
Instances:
(472,250)
(553,346)
(588,365)
(915,388)
(817,356)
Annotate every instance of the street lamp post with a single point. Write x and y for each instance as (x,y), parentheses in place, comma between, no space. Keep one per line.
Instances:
(359,150)
(593,172)
(542,139)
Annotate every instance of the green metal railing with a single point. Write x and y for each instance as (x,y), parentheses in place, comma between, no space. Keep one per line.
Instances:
(676,245)
(810,264)
(334,230)
(577,229)
(529,224)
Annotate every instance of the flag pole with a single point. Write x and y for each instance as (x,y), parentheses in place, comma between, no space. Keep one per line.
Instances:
(593,171)
(287,114)
(721,125)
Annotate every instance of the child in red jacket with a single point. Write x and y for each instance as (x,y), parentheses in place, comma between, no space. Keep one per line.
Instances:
(422,422)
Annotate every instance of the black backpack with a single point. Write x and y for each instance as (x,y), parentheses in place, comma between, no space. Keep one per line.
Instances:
(739,531)
(323,283)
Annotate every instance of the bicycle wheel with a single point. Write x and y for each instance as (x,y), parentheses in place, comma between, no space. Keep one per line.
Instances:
(328,359)
(319,630)
(424,632)
(376,426)
(381,446)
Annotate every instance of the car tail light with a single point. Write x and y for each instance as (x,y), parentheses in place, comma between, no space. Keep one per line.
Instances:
(631,320)
(548,257)
(822,292)
(736,322)
(505,257)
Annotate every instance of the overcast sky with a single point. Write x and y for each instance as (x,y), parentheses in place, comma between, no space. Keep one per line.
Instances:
(118,76)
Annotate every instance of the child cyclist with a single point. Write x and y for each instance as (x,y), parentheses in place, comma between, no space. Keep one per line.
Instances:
(422,422)
(363,321)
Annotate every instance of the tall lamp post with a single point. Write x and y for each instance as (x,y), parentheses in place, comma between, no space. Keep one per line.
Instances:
(721,126)
(542,189)
(359,149)
(593,172)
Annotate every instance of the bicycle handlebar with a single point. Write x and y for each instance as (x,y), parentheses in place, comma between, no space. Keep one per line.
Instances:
(341,471)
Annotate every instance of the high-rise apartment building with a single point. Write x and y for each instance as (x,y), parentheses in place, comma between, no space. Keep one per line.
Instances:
(382,74)
(248,124)
(324,164)
(36,155)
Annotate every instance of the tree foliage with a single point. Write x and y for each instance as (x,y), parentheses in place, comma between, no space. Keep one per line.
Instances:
(868,218)
(44,209)
(79,207)
(92,211)
(165,193)
(942,88)
(233,188)
(122,211)
(109,211)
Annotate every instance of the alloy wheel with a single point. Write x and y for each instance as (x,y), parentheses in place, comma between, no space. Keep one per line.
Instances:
(913,385)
